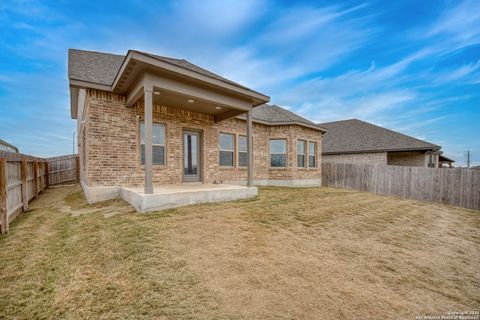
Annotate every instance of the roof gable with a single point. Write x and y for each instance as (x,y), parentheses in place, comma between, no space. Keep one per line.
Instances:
(102,68)
(190,66)
(353,136)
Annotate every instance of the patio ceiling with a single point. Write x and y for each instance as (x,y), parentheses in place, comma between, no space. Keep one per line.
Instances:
(188,94)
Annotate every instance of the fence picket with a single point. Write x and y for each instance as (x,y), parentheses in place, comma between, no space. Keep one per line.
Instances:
(458,187)
(19,183)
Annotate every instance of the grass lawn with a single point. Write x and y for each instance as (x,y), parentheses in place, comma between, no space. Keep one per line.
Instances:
(314,253)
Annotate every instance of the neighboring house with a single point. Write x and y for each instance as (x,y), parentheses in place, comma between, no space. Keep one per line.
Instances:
(192,124)
(359,141)
(445,162)
(5,146)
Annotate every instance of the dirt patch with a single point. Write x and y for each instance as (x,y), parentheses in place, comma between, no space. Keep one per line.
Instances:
(290,254)
(76,204)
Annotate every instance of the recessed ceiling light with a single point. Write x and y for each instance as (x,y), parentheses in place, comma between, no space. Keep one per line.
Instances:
(156,93)
(218,108)
(191,100)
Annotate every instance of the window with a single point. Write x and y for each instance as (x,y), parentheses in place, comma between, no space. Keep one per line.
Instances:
(278,153)
(158,143)
(312,154)
(301,153)
(227,149)
(242,151)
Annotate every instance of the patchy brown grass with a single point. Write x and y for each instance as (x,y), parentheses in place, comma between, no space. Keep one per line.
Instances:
(314,253)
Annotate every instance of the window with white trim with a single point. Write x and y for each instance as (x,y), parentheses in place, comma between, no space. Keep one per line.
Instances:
(226,143)
(312,154)
(301,148)
(278,153)
(158,143)
(242,151)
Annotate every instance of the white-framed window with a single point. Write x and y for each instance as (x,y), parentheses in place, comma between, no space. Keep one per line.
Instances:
(301,148)
(312,154)
(278,153)
(158,143)
(242,151)
(226,146)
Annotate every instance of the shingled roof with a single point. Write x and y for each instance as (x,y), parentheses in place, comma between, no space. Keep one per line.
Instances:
(101,68)
(93,67)
(354,136)
(275,115)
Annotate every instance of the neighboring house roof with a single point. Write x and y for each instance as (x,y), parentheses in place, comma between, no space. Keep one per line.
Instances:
(445,159)
(275,115)
(356,136)
(4,145)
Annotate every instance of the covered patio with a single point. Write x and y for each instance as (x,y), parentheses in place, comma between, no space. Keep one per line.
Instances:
(150,80)
(156,80)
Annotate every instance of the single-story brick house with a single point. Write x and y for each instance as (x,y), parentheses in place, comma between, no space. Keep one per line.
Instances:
(150,121)
(358,141)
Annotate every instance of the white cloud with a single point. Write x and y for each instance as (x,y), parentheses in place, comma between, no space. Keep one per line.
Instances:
(456,74)
(216,18)
(457,27)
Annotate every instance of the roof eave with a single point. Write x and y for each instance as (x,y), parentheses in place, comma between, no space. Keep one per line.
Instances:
(446,159)
(256,97)
(381,150)
(81,84)
(268,123)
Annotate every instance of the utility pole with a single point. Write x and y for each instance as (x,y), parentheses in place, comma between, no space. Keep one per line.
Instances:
(468,158)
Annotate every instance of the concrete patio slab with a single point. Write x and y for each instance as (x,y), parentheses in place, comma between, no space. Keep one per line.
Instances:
(173,196)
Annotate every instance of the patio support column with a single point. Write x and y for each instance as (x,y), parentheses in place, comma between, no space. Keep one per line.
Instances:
(148,94)
(249,149)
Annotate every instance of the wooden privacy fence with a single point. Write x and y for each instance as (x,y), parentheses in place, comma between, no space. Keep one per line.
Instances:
(22,178)
(63,169)
(457,187)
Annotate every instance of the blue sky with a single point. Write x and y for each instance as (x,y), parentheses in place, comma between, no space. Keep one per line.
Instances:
(412,66)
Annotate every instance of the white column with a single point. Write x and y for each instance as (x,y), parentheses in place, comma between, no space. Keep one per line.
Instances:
(249,149)
(148,95)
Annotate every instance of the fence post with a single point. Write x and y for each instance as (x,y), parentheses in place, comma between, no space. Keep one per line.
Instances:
(47,182)
(77,169)
(35,179)
(3,195)
(24,184)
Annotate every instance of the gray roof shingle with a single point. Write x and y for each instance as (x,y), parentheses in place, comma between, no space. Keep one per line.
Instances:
(275,115)
(351,136)
(93,67)
(101,68)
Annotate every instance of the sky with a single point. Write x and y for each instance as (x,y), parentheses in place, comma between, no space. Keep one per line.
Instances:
(411,66)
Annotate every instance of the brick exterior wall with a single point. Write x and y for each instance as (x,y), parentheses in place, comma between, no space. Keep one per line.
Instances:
(109,145)
(411,159)
(372,157)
